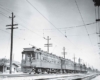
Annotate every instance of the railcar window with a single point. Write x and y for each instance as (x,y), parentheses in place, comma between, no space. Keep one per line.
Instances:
(23,56)
(28,57)
(8,68)
(33,55)
(37,56)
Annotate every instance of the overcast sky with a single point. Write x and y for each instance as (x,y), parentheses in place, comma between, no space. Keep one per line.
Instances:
(54,18)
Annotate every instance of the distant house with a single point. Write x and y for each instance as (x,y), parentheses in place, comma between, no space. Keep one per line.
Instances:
(5,66)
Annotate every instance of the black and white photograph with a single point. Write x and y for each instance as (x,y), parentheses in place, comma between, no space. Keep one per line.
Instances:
(49,39)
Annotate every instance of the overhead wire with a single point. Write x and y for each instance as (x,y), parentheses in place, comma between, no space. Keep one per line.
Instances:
(82,35)
(20,37)
(1,6)
(56,27)
(83,20)
(44,16)
(53,24)
(49,21)
(78,25)
(4,30)
(3,14)
(74,26)
(22,26)
(14,34)
(31,30)
(24,22)
(49,29)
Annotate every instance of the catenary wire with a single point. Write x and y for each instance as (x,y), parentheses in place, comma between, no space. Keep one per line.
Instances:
(20,37)
(59,30)
(21,20)
(14,34)
(22,25)
(44,16)
(83,20)
(46,29)
(49,21)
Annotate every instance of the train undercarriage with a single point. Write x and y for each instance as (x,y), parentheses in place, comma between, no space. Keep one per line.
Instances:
(39,70)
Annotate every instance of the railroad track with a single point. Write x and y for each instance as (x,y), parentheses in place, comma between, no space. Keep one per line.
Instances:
(47,77)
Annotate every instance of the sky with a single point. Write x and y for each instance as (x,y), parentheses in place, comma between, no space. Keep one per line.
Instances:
(38,19)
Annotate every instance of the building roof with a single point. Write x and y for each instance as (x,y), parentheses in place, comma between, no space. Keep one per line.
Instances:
(4,62)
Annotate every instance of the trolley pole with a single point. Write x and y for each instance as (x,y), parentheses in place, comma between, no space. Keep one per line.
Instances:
(11,49)
(48,44)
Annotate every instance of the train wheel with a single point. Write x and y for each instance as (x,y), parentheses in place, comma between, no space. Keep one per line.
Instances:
(39,71)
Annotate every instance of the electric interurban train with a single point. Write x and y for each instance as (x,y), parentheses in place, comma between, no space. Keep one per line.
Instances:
(39,61)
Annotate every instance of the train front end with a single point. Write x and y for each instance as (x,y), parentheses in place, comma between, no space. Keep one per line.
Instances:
(28,60)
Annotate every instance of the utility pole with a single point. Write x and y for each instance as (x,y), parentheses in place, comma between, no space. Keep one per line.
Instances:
(48,44)
(74,63)
(79,60)
(64,53)
(11,49)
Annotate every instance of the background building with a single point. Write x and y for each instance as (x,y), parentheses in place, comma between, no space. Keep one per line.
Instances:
(5,66)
